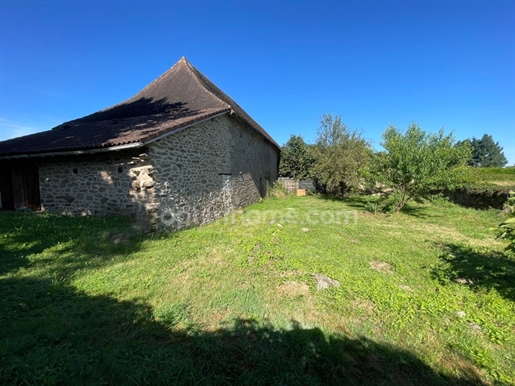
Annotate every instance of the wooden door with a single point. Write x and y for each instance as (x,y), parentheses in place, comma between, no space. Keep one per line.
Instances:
(6,189)
(31,195)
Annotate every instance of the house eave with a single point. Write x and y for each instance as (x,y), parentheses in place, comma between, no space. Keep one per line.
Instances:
(133,145)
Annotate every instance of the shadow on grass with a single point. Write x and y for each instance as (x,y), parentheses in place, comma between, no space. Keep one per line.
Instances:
(77,241)
(363,203)
(478,270)
(54,334)
(354,201)
(415,210)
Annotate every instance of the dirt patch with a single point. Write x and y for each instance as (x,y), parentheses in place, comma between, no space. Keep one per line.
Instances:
(295,272)
(381,266)
(292,289)
(406,288)
(461,365)
(364,304)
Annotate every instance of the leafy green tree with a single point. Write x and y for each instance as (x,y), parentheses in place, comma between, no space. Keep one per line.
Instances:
(296,159)
(415,163)
(341,154)
(487,153)
(507,227)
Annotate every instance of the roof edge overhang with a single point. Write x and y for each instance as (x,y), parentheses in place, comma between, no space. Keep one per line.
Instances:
(132,145)
(127,146)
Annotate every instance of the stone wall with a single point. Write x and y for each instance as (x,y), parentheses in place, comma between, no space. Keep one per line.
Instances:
(190,177)
(478,198)
(89,184)
(207,170)
(254,164)
(189,173)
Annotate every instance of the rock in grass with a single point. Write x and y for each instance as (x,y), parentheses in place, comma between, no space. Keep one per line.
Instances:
(121,239)
(324,282)
(475,327)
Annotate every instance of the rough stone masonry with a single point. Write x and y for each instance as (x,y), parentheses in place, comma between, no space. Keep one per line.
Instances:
(187,178)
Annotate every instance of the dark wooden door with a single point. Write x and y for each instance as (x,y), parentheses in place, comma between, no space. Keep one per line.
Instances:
(6,189)
(31,188)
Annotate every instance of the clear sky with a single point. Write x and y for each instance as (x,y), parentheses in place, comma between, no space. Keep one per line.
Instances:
(447,64)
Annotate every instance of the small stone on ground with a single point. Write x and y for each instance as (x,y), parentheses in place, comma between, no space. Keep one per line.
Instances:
(324,282)
(121,239)
(475,327)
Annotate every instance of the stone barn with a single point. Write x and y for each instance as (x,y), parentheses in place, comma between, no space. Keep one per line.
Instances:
(178,153)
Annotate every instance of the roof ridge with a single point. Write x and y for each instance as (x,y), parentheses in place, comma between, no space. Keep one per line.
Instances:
(236,110)
(193,70)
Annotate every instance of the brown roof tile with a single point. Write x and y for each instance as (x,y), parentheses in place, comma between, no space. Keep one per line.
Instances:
(180,97)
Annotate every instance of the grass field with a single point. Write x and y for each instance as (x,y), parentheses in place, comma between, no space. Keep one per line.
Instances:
(425,297)
(501,177)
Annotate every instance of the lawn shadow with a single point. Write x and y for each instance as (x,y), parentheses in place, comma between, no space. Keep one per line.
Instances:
(353,201)
(490,270)
(415,210)
(52,333)
(364,203)
(76,241)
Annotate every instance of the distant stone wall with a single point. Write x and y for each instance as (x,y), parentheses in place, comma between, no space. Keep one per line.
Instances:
(187,178)
(254,164)
(478,198)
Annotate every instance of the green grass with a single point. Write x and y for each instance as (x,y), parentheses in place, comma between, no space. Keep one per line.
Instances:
(500,178)
(426,297)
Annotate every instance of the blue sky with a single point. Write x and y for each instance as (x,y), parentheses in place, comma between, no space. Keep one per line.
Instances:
(447,64)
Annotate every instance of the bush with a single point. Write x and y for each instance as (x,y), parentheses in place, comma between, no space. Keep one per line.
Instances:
(416,163)
(507,227)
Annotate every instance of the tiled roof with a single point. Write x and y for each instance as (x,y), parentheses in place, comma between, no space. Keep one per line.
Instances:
(179,98)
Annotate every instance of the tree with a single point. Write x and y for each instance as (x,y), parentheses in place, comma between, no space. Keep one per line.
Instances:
(415,163)
(341,156)
(507,227)
(296,159)
(487,153)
